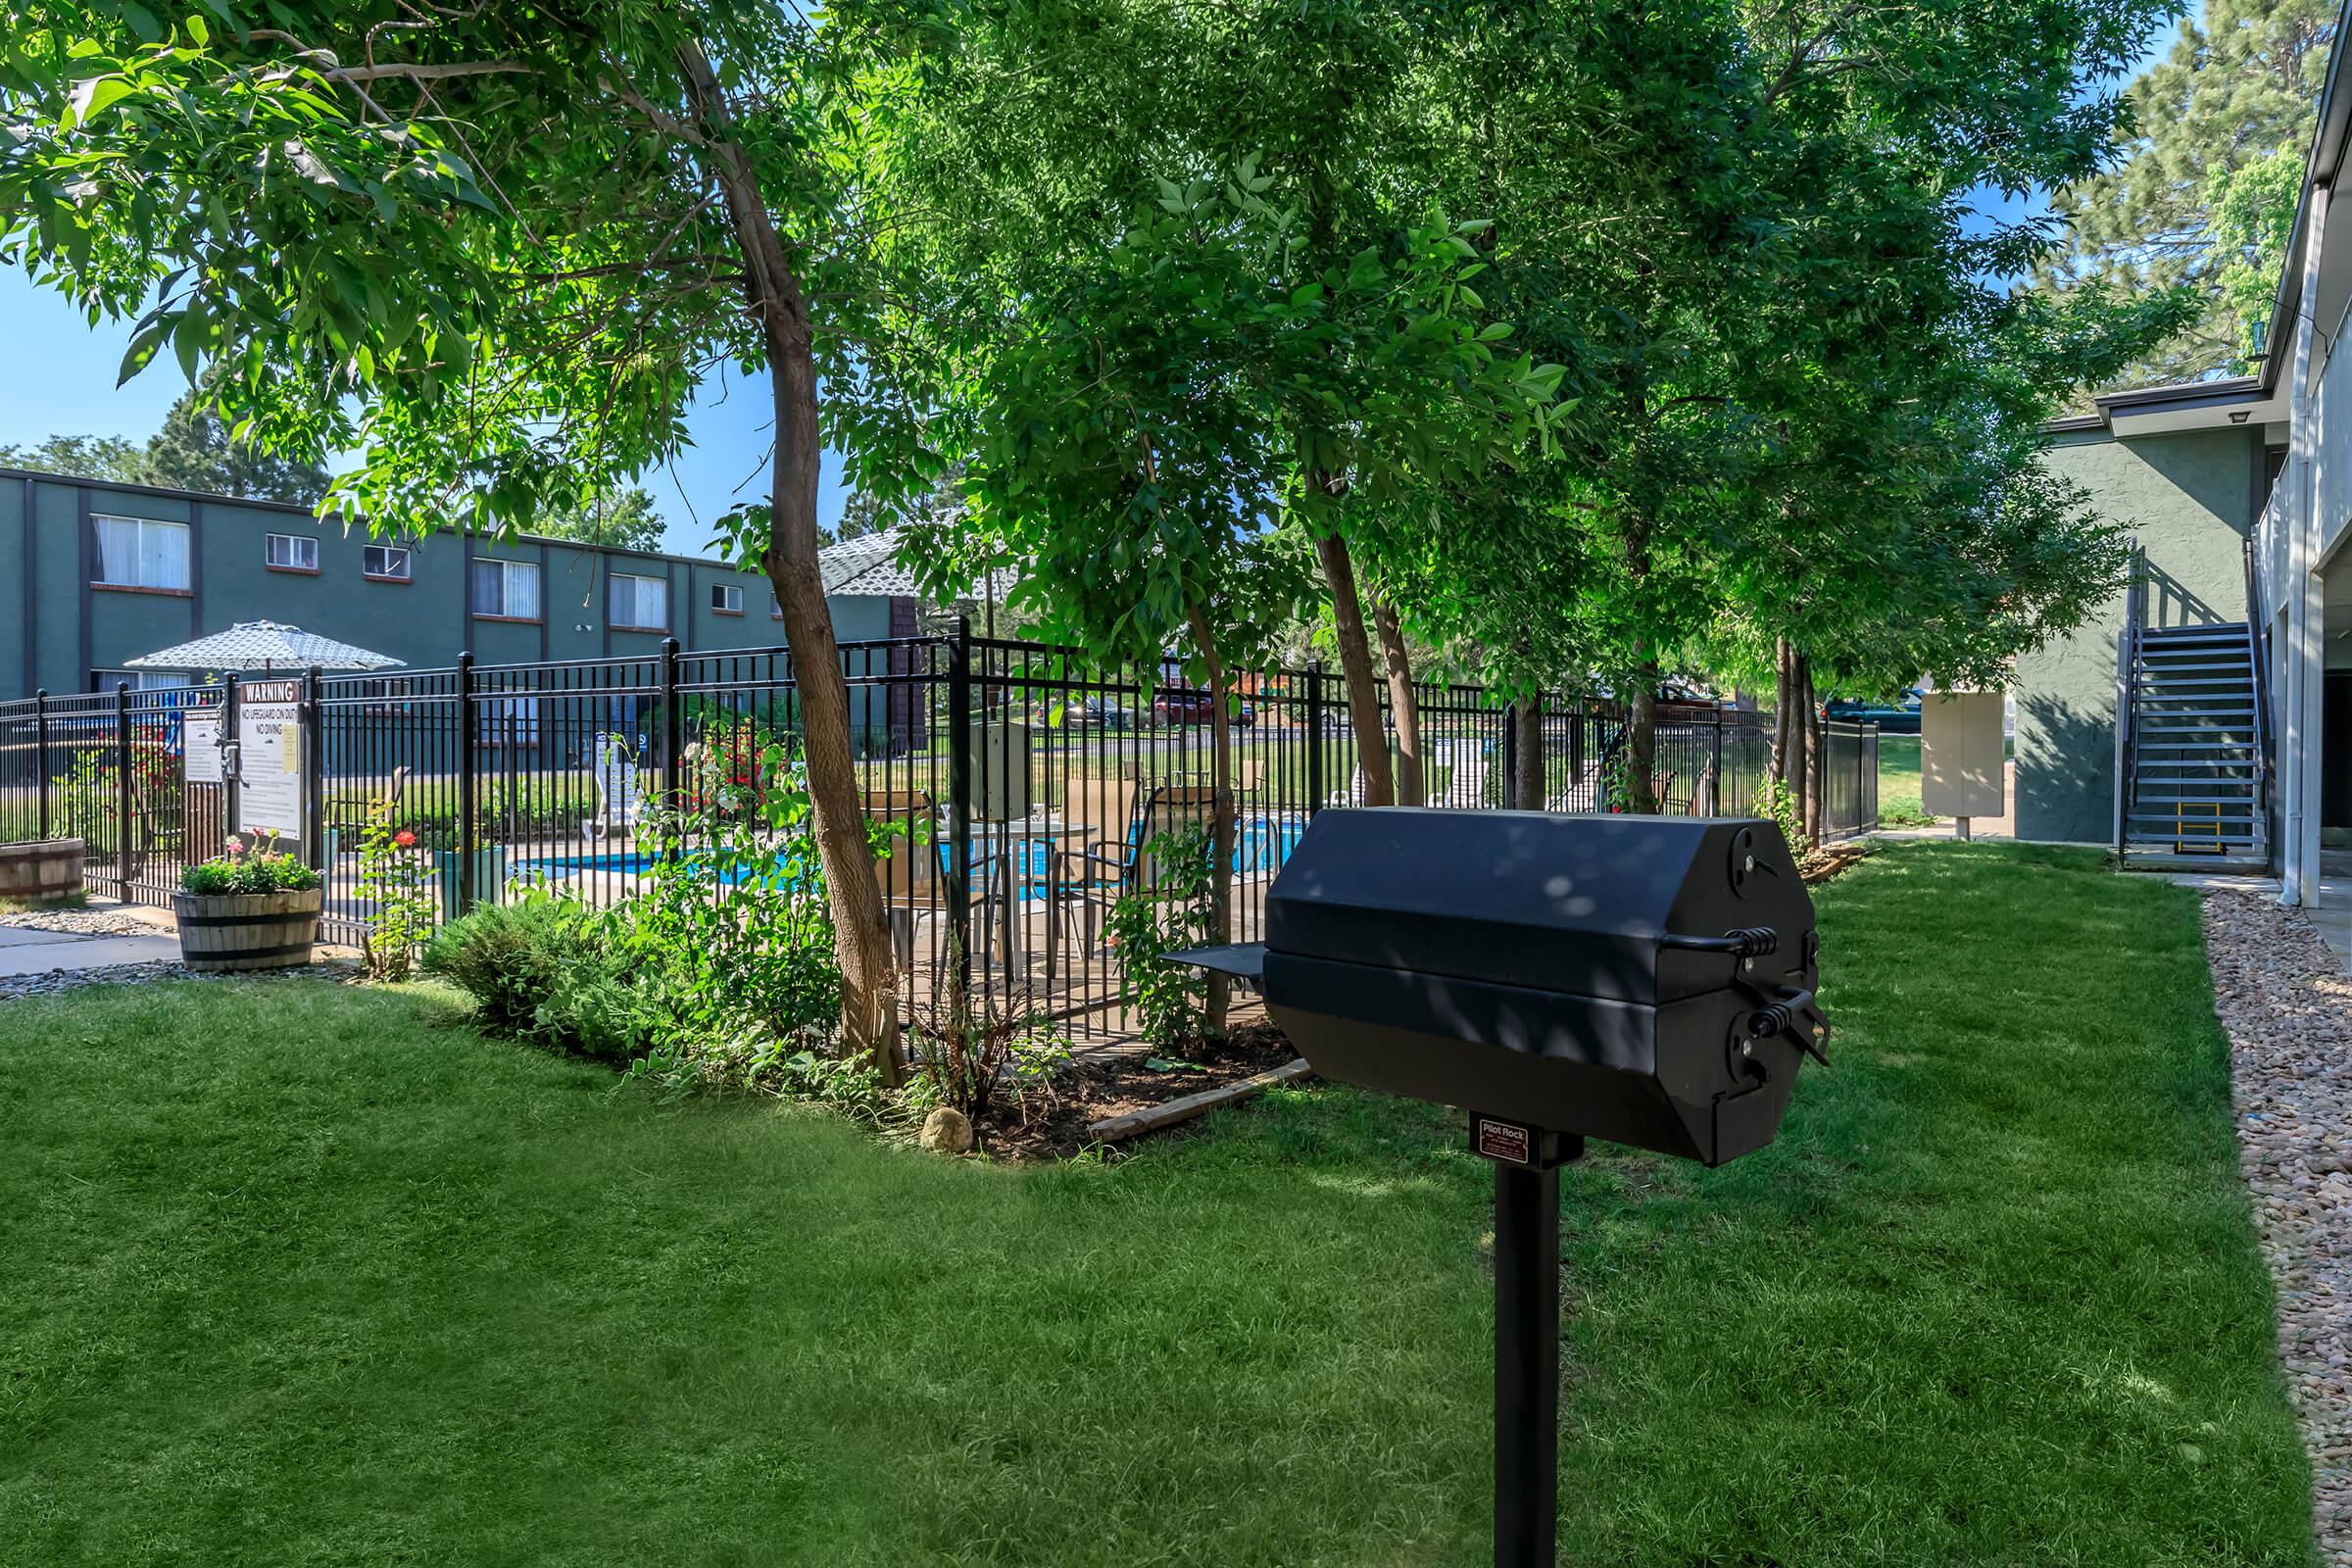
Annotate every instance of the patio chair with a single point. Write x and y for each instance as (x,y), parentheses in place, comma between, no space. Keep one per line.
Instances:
(619,798)
(1353,794)
(904,866)
(350,818)
(1101,876)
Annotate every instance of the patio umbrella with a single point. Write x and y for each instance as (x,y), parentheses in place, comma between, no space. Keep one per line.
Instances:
(266,646)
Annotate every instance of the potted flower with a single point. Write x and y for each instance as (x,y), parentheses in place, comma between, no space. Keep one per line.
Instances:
(247,908)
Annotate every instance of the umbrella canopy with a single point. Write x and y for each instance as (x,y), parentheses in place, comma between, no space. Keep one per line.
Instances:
(266,646)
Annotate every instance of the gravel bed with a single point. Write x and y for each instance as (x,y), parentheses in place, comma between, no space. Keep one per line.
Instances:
(56,981)
(83,922)
(2286,1003)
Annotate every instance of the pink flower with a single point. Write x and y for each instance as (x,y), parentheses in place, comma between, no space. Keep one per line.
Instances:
(404,839)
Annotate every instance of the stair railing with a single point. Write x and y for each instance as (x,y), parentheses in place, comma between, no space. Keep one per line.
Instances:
(2127,694)
(2258,648)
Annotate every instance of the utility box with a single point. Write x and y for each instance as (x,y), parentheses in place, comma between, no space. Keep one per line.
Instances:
(1961,770)
(1001,772)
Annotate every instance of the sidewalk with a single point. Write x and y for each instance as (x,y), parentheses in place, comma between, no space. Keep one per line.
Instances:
(29,949)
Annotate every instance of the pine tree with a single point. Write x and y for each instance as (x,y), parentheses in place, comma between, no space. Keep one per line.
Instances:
(2235,88)
(195,450)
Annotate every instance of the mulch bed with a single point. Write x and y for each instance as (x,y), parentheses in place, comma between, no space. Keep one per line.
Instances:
(1831,862)
(1120,1079)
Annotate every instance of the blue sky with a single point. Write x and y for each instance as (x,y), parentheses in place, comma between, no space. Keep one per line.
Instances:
(74,393)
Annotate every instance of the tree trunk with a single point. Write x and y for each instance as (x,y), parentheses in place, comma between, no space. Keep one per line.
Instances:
(1784,708)
(1793,767)
(1641,742)
(1356,667)
(1527,789)
(1220,836)
(870,1016)
(1817,773)
(1412,779)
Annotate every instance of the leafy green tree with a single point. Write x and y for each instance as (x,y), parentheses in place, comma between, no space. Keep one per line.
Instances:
(623,517)
(197,449)
(493,250)
(2241,81)
(2252,210)
(89,457)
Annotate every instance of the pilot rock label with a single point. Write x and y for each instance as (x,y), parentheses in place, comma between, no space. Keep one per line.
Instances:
(1504,1141)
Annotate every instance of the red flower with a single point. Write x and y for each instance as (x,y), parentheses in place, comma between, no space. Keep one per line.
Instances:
(404,839)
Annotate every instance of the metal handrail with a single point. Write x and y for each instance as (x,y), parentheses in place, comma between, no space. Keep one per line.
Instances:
(2128,696)
(2259,651)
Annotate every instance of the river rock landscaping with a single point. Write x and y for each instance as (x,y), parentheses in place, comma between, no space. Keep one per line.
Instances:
(2286,1003)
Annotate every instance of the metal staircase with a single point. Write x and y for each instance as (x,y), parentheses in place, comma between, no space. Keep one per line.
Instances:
(2195,745)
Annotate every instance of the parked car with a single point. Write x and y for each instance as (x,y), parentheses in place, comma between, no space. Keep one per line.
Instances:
(1181,706)
(1893,718)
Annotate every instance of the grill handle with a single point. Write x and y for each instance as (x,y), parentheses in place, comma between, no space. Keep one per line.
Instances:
(1744,942)
(1794,1014)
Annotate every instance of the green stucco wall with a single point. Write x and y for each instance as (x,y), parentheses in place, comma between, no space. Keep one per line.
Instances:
(2189,497)
(73,628)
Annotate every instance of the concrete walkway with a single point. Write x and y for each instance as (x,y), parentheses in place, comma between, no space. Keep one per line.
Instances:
(23,951)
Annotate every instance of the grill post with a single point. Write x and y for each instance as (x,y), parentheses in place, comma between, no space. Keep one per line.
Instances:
(467,834)
(40,759)
(1314,737)
(122,788)
(1527,1352)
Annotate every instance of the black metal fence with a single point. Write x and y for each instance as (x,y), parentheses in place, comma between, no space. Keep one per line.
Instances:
(1020,786)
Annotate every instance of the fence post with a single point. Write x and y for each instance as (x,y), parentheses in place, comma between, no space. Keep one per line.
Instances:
(232,755)
(1509,753)
(40,760)
(314,774)
(1314,737)
(122,788)
(959,798)
(673,728)
(467,836)
(1715,769)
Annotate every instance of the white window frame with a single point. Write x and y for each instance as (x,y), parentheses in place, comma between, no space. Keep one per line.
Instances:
(511,572)
(385,553)
(775,605)
(638,583)
(726,598)
(139,553)
(303,557)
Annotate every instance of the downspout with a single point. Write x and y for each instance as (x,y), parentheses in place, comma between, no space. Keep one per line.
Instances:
(2297,884)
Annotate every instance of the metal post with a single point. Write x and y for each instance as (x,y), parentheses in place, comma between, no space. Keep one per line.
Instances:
(673,728)
(314,774)
(960,796)
(1508,754)
(467,836)
(233,753)
(1715,770)
(123,801)
(1314,737)
(1527,1356)
(40,760)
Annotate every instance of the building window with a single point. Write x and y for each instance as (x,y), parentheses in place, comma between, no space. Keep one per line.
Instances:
(385,563)
(727,599)
(775,605)
(141,553)
(637,604)
(292,552)
(506,590)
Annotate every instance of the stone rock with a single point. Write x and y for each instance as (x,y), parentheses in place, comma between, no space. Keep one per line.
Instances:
(2286,1006)
(947,1130)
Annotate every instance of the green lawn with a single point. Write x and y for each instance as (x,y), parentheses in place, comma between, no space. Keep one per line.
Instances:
(1898,782)
(298,1274)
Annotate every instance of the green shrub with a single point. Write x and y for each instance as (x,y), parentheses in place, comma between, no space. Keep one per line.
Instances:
(1170,1000)
(510,958)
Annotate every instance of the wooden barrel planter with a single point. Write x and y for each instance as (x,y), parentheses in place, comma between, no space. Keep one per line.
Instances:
(225,931)
(46,872)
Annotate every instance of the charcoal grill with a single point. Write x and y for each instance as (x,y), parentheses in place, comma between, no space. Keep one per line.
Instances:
(1645,980)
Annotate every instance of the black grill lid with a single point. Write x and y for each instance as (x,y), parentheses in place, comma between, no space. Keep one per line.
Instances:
(1529,899)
